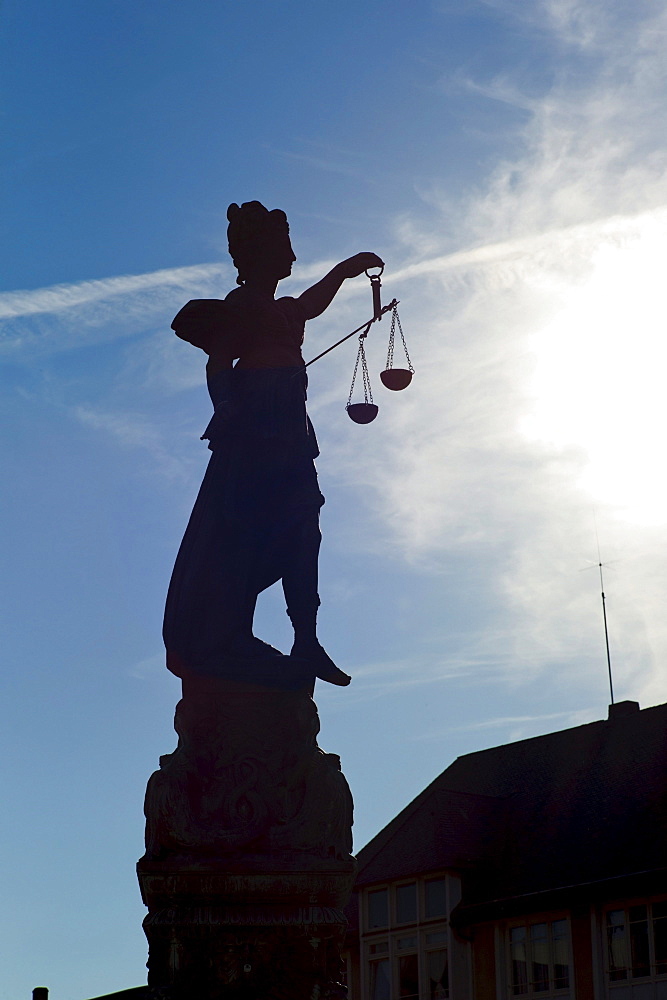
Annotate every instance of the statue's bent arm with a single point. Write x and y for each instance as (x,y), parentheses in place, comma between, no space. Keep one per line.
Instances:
(318,297)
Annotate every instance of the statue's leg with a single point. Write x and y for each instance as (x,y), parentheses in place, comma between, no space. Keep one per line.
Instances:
(302,599)
(300,577)
(244,643)
(242,631)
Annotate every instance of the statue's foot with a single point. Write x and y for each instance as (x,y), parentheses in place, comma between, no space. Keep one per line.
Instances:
(321,663)
(249,647)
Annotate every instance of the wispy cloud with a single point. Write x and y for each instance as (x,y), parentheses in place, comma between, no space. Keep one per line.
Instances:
(134,431)
(586,25)
(61,297)
(327,157)
(47,320)
(513,722)
(42,321)
(449,467)
(148,668)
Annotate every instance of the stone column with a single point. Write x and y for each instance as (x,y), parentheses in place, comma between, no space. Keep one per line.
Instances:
(248,839)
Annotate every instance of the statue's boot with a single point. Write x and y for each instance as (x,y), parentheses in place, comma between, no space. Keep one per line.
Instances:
(320,661)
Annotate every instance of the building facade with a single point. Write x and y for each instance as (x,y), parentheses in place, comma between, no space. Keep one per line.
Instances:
(537,869)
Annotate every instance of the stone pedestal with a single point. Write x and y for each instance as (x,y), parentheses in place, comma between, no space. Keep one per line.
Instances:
(248,838)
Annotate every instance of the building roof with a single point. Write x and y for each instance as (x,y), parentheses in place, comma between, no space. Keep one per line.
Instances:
(439,829)
(582,805)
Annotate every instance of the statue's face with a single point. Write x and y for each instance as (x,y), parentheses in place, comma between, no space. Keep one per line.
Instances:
(271,257)
(282,256)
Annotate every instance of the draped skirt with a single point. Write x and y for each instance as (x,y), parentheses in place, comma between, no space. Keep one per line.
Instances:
(259,499)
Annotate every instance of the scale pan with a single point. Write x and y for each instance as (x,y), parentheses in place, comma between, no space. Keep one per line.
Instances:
(396,378)
(362,413)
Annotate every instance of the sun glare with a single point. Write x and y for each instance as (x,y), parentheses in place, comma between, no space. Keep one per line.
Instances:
(599,381)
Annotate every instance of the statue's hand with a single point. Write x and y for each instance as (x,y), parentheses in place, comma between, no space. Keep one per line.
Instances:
(354,266)
(316,299)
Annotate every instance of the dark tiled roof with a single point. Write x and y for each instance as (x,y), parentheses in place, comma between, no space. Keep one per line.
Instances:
(580,805)
(441,828)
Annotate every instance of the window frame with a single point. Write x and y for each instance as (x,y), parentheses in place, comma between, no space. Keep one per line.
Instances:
(366,908)
(392,911)
(625,905)
(536,920)
(394,932)
(393,953)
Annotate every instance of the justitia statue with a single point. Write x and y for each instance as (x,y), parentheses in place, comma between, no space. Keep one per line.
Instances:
(256,518)
(248,864)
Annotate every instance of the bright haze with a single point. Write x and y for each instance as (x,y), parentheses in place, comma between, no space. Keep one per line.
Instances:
(508,161)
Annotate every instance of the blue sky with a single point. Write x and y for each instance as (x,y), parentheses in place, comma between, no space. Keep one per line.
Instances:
(508,161)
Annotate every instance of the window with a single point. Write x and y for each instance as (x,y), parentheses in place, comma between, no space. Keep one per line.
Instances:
(438,973)
(379,980)
(408,967)
(435,897)
(539,959)
(408,976)
(379,948)
(637,942)
(406,903)
(378,909)
(406,941)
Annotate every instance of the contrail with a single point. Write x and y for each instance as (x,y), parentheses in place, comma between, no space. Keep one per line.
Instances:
(56,298)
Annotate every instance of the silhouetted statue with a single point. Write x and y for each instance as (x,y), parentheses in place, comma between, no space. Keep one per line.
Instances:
(256,519)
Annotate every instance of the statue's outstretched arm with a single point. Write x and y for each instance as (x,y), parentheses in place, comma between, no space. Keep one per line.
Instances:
(316,298)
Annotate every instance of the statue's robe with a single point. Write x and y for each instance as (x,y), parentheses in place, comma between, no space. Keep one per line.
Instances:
(259,502)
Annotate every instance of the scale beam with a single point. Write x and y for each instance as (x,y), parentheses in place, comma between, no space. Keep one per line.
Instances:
(366,326)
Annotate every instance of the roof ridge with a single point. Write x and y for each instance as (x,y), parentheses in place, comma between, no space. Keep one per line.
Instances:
(562,732)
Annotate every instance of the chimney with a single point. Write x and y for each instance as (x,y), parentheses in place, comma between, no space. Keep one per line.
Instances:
(621,709)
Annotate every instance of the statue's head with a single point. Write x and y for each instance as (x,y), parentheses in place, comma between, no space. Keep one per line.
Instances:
(259,241)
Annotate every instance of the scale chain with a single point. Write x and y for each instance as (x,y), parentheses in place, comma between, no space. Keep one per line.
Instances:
(368,395)
(390,350)
(365,378)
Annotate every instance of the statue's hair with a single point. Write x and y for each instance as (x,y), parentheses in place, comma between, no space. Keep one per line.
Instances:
(251,227)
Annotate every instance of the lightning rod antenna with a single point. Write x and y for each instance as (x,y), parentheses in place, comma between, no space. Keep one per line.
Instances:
(606,634)
(604,616)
